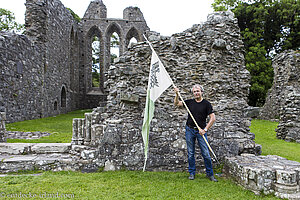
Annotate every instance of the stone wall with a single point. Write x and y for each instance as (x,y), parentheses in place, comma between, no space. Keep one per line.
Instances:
(2,127)
(21,77)
(48,70)
(96,24)
(289,123)
(283,98)
(210,54)
(265,174)
(35,68)
(285,69)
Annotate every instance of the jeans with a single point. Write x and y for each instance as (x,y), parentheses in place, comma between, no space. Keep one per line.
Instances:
(190,136)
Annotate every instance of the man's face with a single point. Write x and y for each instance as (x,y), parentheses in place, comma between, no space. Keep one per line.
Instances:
(197,92)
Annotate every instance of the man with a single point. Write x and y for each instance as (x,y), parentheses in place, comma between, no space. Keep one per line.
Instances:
(200,109)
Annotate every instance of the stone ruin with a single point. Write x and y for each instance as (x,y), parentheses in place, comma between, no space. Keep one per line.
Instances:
(2,127)
(48,70)
(265,174)
(283,101)
(210,54)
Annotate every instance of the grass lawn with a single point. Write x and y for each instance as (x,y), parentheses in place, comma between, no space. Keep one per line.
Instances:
(265,135)
(131,184)
(60,126)
(125,185)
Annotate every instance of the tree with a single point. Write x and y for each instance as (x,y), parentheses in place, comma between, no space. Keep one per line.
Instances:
(267,27)
(8,23)
(114,42)
(96,62)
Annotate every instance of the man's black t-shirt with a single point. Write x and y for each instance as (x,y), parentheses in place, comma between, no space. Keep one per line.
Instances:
(200,111)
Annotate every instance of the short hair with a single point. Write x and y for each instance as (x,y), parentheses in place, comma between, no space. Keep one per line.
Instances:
(199,86)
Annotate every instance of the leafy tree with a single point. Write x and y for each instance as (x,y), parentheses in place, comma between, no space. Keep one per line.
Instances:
(112,57)
(267,27)
(8,23)
(114,42)
(96,62)
(95,57)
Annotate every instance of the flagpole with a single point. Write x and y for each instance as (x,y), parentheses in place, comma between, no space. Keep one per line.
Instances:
(184,103)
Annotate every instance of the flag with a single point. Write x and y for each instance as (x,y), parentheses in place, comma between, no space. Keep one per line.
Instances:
(159,81)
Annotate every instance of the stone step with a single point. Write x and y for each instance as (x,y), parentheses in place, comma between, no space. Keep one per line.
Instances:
(45,162)
(34,148)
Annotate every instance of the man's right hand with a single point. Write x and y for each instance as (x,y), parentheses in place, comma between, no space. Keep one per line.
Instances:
(176,90)
(176,100)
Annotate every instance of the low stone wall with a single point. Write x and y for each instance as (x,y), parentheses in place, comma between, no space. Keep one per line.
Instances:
(2,127)
(50,157)
(26,135)
(42,156)
(265,174)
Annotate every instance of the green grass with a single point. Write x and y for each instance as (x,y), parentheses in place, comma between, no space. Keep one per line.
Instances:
(126,185)
(60,126)
(265,135)
(133,184)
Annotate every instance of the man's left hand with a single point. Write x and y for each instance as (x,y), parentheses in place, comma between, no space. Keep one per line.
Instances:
(201,132)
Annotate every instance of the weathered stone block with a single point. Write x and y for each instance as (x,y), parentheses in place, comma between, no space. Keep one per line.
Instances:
(127,97)
(46,148)
(265,174)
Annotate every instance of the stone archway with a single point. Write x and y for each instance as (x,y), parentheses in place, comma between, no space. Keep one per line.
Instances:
(113,28)
(94,31)
(132,33)
(95,22)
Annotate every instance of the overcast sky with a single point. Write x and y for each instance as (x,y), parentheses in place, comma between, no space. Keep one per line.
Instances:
(163,16)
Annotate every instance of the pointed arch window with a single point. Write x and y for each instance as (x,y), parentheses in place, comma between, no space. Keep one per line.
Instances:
(63,97)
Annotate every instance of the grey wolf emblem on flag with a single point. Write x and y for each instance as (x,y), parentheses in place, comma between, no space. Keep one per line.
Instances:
(153,77)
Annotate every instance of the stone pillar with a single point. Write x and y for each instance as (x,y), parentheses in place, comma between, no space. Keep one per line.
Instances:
(75,131)
(81,131)
(88,124)
(2,127)
(96,134)
(87,131)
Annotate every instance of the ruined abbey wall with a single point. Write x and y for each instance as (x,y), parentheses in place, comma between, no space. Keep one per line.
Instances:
(2,127)
(289,122)
(282,102)
(96,24)
(35,67)
(210,54)
(48,70)
(285,70)
(21,77)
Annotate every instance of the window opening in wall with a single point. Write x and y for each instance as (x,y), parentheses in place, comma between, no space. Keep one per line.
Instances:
(63,97)
(132,42)
(114,47)
(96,61)
(55,105)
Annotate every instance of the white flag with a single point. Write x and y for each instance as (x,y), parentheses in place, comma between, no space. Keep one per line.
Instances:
(159,81)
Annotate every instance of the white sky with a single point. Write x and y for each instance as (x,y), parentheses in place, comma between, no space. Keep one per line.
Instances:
(164,16)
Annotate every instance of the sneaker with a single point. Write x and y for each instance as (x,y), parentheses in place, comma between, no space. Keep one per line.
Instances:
(212,178)
(192,177)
